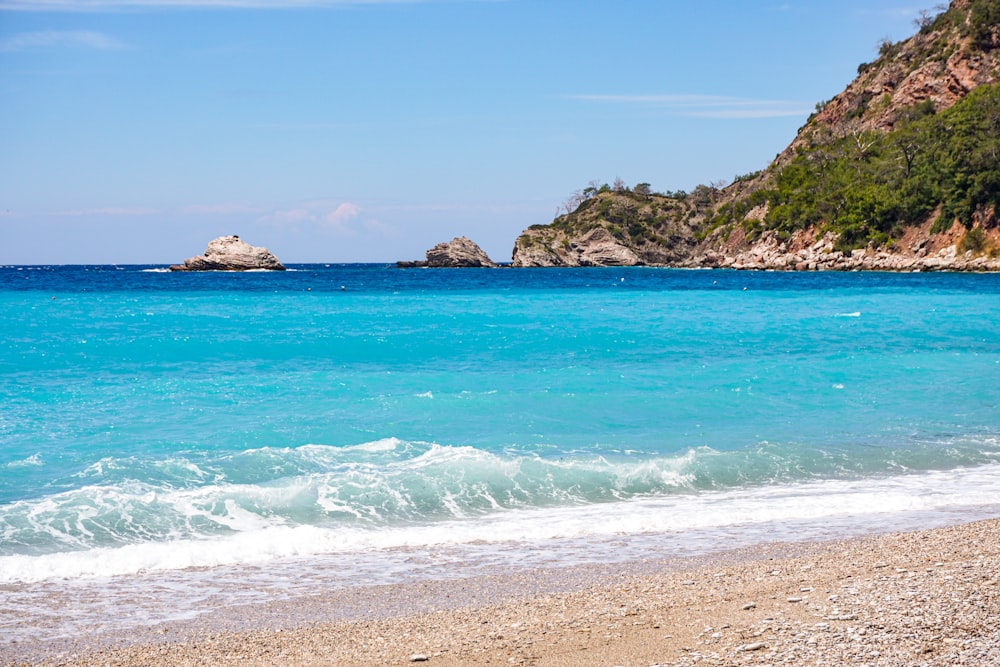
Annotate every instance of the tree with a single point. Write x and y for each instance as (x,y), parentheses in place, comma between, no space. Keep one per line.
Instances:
(924,20)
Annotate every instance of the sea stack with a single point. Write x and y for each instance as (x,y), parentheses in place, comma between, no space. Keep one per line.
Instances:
(229,253)
(460,252)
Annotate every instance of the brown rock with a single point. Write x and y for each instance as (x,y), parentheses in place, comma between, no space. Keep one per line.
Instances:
(460,252)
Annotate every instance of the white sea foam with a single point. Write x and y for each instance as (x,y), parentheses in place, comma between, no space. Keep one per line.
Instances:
(255,539)
(383,445)
(854,314)
(31,461)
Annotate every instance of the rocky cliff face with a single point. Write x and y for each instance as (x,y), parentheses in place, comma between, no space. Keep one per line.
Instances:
(229,253)
(460,252)
(753,223)
(616,228)
(596,247)
(941,64)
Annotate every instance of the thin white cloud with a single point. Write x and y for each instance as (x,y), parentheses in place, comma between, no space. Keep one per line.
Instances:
(707,106)
(219,209)
(131,5)
(111,211)
(51,39)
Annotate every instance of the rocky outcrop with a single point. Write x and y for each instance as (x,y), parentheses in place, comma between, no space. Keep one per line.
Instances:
(229,253)
(615,227)
(596,247)
(810,250)
(460,252)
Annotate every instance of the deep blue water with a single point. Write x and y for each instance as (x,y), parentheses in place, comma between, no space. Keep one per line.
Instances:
(153,420)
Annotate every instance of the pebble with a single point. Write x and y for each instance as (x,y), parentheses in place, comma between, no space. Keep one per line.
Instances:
(756,646)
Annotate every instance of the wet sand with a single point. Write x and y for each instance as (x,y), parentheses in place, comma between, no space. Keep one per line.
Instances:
(919,598)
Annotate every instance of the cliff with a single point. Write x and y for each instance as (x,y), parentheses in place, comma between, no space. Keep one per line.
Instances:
(229,253)
(900,171)
(617,227)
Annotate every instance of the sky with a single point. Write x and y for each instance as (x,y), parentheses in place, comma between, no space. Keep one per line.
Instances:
(135,131)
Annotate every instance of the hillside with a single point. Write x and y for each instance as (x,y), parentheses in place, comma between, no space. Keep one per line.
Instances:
(899,171)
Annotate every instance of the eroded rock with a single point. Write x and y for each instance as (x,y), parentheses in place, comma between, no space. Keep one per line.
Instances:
(230,253)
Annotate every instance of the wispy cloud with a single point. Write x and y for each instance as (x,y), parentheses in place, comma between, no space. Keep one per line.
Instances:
(707,106)
(219,209)
(50,39)
(132,5)
(112,211)
(335,215)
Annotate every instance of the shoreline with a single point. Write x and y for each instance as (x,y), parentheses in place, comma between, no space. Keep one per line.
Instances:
(923,597)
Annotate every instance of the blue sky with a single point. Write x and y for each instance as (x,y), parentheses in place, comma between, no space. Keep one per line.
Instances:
(369,130)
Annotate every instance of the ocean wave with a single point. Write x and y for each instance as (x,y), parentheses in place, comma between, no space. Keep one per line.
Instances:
(257,539)
(392,485)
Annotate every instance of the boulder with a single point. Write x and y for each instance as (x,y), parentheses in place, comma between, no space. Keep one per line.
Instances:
(229,253)
(460,252)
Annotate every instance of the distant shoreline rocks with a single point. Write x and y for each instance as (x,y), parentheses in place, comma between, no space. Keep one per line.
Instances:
(230,253)
(458,253)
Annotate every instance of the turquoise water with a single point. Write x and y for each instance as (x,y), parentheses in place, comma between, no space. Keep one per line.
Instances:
(152,421)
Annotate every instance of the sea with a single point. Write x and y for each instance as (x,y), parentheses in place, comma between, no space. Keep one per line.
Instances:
(173,443)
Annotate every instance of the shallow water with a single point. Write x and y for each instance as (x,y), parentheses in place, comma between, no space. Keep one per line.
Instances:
(389,424)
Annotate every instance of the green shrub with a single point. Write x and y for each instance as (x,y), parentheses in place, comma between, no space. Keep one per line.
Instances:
(974,240)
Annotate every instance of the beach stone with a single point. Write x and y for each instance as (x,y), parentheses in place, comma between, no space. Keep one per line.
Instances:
(419,657)
(755,646)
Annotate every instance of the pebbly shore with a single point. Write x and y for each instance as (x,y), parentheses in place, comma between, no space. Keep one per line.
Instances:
(801,252)
(922,598)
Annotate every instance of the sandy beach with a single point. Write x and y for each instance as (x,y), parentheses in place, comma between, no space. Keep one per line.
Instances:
(920,598)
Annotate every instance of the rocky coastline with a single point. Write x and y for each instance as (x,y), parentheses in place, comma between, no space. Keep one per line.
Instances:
(918,249)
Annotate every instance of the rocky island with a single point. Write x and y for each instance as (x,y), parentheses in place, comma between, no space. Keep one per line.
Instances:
(230,253)
(460,252)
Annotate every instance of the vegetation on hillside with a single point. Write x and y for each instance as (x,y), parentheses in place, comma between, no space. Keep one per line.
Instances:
(866,186)
(658,226)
